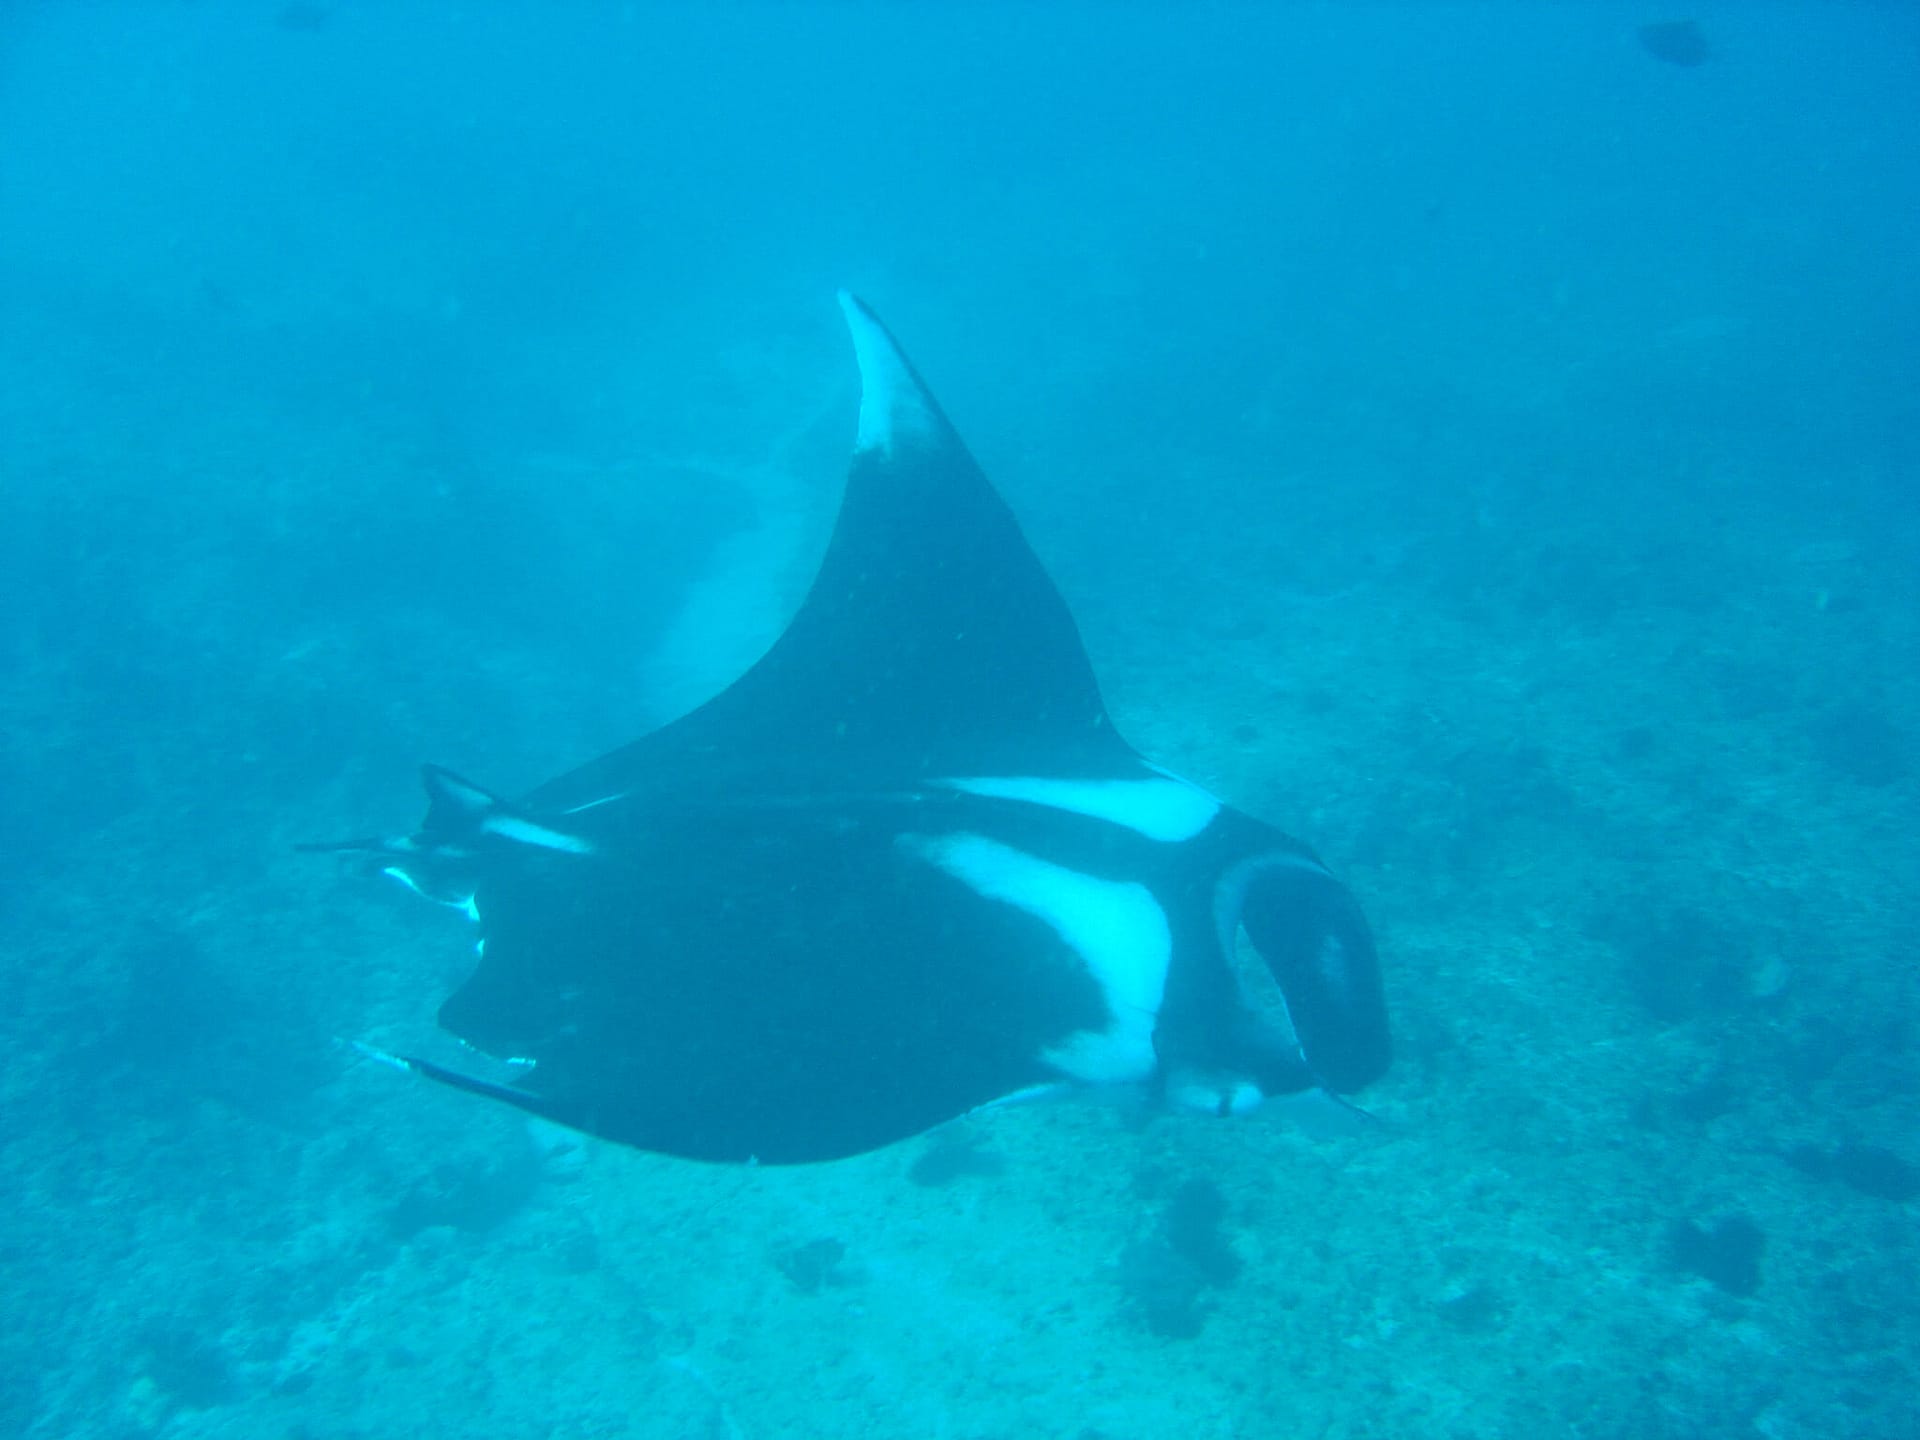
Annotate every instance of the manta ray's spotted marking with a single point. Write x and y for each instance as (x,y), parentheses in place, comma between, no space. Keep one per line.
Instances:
(901,869)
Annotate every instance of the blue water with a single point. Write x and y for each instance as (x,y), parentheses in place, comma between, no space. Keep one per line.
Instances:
(1467,438)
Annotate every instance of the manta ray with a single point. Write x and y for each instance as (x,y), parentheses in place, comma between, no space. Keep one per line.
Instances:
(901,869)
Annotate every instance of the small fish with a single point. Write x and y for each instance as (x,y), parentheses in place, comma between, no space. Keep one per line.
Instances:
(1678,42)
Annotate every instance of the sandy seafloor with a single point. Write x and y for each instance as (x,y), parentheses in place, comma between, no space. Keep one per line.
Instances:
(1571,613)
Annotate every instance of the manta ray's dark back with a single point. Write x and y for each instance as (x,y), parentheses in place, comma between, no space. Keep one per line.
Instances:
(900,869)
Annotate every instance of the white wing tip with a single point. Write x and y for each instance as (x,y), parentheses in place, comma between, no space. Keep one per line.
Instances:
(892,404)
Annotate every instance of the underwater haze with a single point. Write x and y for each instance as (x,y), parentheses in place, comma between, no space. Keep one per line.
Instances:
(1482,439)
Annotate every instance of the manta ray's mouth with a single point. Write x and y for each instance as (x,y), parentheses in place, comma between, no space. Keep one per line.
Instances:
(1312,973)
